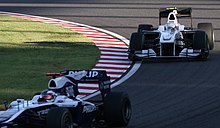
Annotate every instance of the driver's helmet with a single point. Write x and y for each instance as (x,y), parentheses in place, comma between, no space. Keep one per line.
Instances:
(47,95)
(171,25)
(172,20)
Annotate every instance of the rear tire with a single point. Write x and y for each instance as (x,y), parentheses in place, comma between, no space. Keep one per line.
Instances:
(200,42)
(59,118)
(135,44)
(208,28)
(142,27)
(117,109)
(135,41)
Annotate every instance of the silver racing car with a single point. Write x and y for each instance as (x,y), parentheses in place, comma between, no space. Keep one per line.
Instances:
(59,107)
(172,39)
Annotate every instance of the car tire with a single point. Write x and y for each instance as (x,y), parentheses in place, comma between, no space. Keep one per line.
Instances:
(142,27)
(208,28)
(59,118)
(117,109)
(135,41)
(200,42)
(135,44)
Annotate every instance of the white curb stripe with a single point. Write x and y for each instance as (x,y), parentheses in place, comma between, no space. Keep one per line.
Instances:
(114,57)
(115,61)
(86,90)
(114,53)
(88,85)
(112,65)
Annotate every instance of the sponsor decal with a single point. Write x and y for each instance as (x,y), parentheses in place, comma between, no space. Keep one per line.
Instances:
(90,74)
(43,112)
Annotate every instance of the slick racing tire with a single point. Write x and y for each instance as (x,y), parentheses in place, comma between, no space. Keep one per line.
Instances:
(135,41)
(117,109)
(208,28)
(135,44)
(200,42)
(59,118)
(142,27)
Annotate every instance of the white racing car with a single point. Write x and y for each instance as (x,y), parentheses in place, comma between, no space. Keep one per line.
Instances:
(59,107)
(172,40)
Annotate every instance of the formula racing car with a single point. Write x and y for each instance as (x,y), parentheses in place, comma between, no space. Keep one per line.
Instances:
(172,40)
(59,107)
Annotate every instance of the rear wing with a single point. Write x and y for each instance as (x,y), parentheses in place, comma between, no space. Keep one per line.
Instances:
(181,12)
(99,76)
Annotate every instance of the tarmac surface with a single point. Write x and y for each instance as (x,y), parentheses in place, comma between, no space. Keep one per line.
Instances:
(164,94)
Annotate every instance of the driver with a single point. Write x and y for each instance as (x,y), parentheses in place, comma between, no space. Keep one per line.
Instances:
(47,96)
(172,22)
(64,86)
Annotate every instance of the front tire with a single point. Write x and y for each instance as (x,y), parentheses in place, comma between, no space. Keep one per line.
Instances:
(117,109)
(208,28)
(59,118)
(200,42)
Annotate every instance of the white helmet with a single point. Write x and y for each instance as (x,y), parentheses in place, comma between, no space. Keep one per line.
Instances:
(172,19)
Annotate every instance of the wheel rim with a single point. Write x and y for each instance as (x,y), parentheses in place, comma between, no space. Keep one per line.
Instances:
(67,122)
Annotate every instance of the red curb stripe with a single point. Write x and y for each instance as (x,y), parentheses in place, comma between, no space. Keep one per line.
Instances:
(105,40)
(113,63)
(110,46)
(116,48)
(111,67)
(108,43)
(97,33)
(115,73)
(84,93)
(97,36)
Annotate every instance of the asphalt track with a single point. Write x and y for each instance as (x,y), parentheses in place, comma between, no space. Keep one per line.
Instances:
(164,94)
